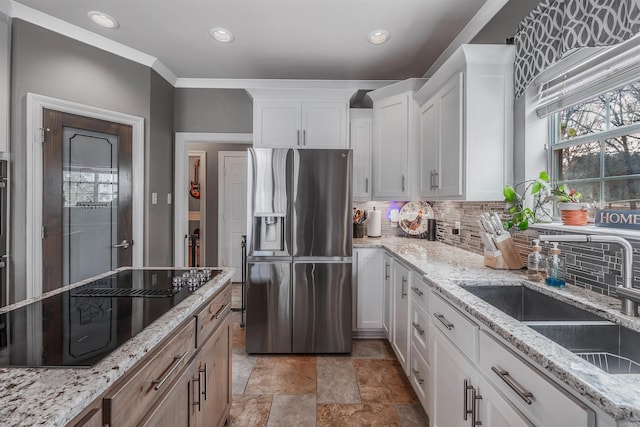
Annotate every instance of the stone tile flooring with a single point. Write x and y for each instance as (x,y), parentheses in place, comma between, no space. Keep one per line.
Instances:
(366,388)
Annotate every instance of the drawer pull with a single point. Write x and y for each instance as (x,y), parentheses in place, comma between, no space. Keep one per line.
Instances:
(416,374)
(418,328)
(444,321)
(403,288)
(204,371)
(174,365)
(220,311)
(513,385)
(417,291)
(197,403)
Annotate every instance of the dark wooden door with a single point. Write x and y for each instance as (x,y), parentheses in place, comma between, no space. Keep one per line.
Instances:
(87,171)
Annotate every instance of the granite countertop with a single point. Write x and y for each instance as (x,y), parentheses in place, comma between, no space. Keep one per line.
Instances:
(54,396)
(444,267)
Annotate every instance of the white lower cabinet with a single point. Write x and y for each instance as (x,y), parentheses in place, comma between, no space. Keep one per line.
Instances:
(388,300)
(400,327)
(419,375)
(369,287)
(494,410)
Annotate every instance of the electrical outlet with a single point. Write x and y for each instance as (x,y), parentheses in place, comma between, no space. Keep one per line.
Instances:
(154,198)
(456,228)
(169,199)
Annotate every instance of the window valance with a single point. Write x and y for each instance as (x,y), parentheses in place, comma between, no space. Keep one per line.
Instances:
(558,27)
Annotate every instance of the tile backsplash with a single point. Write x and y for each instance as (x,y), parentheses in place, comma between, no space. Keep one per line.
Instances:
(594,266)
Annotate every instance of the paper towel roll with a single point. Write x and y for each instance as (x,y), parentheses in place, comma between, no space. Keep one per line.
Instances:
(374,223)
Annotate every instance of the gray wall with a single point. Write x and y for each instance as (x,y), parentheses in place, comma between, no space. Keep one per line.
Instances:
(213,110)
(47,63)
(211,228)
(159,174)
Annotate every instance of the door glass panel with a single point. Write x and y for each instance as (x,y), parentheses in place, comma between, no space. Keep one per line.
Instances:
(90,204)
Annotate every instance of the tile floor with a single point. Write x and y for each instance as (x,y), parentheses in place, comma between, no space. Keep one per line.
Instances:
(366,388)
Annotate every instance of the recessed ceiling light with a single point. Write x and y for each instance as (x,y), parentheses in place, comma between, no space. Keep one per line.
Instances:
(103,19)
(221,34)
(378,36)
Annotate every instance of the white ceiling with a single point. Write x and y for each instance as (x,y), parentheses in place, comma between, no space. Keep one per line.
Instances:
(279,39)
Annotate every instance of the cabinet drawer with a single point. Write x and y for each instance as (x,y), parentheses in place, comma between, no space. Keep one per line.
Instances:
(419,327)
(129,402)
(212,314)
(420,292)
(542,401)
(419,375)
(458,328)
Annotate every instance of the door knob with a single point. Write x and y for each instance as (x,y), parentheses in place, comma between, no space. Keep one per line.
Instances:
(124,244)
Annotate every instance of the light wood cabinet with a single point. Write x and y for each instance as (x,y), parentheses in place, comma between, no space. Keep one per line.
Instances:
(400,326)
(300,118)
(178,405)
(466,125)
(360,136)
(93,418)
(213,373)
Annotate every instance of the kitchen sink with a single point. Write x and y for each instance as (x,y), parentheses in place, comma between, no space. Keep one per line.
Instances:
(528,305)
(610,347)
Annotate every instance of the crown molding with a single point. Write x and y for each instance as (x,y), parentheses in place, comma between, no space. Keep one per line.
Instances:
(66,29)
(281,84)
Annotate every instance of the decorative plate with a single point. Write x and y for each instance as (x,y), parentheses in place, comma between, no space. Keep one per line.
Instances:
(413,217)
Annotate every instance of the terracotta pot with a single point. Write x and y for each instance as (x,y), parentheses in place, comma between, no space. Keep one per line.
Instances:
(573,213)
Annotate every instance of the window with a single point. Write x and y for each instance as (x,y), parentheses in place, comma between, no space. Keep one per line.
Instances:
(89,186)
(596,148)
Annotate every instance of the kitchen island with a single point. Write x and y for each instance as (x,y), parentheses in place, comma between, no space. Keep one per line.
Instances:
(614,399)
(57,396)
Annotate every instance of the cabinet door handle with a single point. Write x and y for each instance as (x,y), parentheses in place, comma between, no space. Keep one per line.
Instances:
(298,136)
(417,291)
(416,374)
(404,282)
(418,328)
(444,321)
(475,402)
(513,385)
(436,179)
(197,403)
(386,271)
(431,179)
(204,371)
(304,137)
(366,185)
(174,365)
(403,183)
(466,386)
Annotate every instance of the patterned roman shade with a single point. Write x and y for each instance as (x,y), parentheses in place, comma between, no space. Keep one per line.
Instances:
(558,27)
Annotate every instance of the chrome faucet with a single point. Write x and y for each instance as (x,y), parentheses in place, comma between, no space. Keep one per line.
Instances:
(630,297)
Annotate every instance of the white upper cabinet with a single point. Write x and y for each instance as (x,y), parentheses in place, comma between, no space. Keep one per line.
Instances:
(300,118)
(394,140)
(360,135)
(466,125)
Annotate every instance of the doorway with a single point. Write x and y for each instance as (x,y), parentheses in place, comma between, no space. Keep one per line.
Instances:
(86,202)
(38,134)
(232,202)
(196,247)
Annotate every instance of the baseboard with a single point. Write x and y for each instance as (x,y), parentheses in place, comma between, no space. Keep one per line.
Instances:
(368,334)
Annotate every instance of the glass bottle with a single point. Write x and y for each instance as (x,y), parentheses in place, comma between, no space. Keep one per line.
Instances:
(536,263)
(555,268)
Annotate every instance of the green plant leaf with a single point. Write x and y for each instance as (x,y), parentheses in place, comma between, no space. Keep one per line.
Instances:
(523,225)
(509,193)
(544,176)
(513,210)
(535,188)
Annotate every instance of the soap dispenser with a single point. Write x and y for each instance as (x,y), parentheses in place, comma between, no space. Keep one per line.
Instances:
(555,268)
(536,266)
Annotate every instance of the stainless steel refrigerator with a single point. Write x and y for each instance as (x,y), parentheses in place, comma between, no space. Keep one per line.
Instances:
(299,251)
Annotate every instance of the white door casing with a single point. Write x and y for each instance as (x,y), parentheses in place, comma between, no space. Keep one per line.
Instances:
(35,104)
(202,177)
(181,201)
(232,214)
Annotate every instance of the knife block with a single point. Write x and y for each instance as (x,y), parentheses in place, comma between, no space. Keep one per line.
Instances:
(505,258)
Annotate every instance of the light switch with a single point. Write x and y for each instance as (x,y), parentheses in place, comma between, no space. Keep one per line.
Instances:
(169,198)
(154,198)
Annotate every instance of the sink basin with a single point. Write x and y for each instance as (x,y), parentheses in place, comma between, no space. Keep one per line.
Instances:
(527,305)
(610,347)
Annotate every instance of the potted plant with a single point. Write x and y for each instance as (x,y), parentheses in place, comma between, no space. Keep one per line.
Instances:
(543,191)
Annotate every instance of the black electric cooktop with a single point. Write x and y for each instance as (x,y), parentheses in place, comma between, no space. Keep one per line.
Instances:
(79,327)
